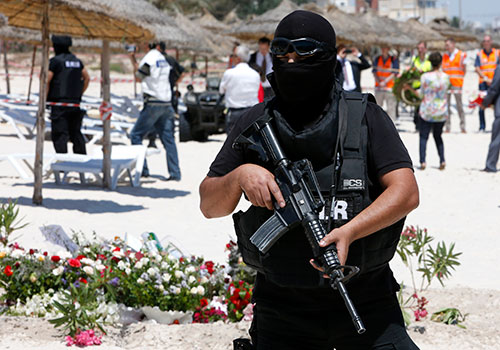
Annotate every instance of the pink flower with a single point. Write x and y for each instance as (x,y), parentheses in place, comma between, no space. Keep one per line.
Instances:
(84,338)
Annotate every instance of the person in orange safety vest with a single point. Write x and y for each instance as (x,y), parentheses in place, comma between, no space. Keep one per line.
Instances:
(454,66)
(385,69)
(486,63)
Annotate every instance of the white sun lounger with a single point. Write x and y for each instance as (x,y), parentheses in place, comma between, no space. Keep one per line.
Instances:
(126,160)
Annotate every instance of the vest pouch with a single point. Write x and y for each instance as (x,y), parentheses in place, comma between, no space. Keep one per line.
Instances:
(245,225)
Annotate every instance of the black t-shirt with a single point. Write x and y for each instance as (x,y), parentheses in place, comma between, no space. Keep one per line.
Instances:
(386,152)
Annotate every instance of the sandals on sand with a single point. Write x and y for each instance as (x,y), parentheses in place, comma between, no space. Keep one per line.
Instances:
(422,166)
(442,166)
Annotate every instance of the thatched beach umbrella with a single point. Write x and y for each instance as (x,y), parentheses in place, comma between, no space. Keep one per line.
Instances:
(89,19)
(381,30)
(421,32)
(442,26)
(265,24)
(208,21)
(232,19)
(346,26)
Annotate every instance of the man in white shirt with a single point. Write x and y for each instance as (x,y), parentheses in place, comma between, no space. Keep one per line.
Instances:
(153,71)
(262,62)
(241,87)
(351,62)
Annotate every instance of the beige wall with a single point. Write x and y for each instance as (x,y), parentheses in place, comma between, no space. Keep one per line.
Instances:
(404,9)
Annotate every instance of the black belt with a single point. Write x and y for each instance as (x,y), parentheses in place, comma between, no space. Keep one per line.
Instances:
(231,109)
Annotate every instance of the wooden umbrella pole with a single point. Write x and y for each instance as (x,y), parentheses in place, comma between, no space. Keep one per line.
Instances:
(106,97)
(40,125)
(6,66)
(206,66)
(31,72)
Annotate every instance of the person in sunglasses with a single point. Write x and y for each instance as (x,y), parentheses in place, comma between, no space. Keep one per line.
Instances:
(295,307)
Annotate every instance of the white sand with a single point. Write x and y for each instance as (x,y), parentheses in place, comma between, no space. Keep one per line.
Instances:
(460,204)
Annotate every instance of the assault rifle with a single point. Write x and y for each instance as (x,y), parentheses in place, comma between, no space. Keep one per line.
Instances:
(298,184)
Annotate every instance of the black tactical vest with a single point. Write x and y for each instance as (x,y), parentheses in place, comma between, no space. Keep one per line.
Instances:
(287,262)
(66,84)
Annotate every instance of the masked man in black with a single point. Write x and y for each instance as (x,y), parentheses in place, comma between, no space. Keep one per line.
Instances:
(295,308)
(67,81)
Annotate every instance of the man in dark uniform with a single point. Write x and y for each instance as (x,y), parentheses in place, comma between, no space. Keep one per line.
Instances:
(295,308)
(67,81)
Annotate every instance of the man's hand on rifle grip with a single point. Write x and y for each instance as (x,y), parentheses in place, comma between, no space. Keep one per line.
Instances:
(342,239)
(259,186)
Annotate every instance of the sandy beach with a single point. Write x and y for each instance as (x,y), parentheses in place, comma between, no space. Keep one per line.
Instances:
(460,204)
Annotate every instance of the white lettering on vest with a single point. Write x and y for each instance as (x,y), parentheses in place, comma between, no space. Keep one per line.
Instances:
(340,208)
(72,64)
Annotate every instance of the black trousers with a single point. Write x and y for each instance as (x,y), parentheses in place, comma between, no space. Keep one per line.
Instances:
(317,319)
(66,125)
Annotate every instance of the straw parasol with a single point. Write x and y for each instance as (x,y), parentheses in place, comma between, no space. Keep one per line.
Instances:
(91,19)
(265,24)
(346,26)
(442,26)
(232,19)
(421,32)
(381,30)
(211,23)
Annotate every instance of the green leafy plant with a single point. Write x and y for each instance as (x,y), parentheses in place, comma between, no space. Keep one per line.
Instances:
(418,255)
(8,221)
(410,77)
(77,306)
(449,316)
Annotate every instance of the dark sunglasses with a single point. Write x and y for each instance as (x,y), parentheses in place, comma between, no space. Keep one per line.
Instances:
(302,46)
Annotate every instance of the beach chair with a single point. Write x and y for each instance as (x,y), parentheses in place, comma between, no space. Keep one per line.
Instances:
(21,118)
(126,161)
(18,159)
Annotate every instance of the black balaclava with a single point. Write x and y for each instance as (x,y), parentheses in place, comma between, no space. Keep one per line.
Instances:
(61,43)
(304,87)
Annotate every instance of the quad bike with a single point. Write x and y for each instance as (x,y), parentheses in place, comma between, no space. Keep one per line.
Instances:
(204,112)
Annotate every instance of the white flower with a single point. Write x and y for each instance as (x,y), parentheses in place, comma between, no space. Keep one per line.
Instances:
(77,305)
(87,261)
(191,279)
(161,288)
(201,290)
(190,269)
(33,278)
(164,265)
(121,265)
(138,265)
(128,271)
(64,254)
(178,274)
(166,277)
(204,280)
(89,270)
(177,290)
(151,272)
(140,281)
(86,250)
(58,270)
(118,253)
(194,290)
(100,267)
(158,258)
(144,261)
(17,253)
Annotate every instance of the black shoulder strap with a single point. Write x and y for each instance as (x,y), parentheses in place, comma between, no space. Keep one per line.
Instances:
(351,113)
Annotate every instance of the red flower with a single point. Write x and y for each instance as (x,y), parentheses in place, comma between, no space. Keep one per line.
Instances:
(80,257)
(8,270)
(32,251)
(17,264)
(210,266)
(181,259)
(117,249)
(115,259)
(176,322)
(55,258)
(139,255)
(83,280)
(45,253)
(74,263)
(203,302)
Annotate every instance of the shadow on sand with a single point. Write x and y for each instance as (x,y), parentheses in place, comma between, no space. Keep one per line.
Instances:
(126,190)
(83,205)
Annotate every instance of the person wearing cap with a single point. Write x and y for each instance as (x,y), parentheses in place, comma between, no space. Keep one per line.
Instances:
(486,62)
(454,65)
(295,307)
(240,86)
(154,73)
(385,69)
(67,80)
